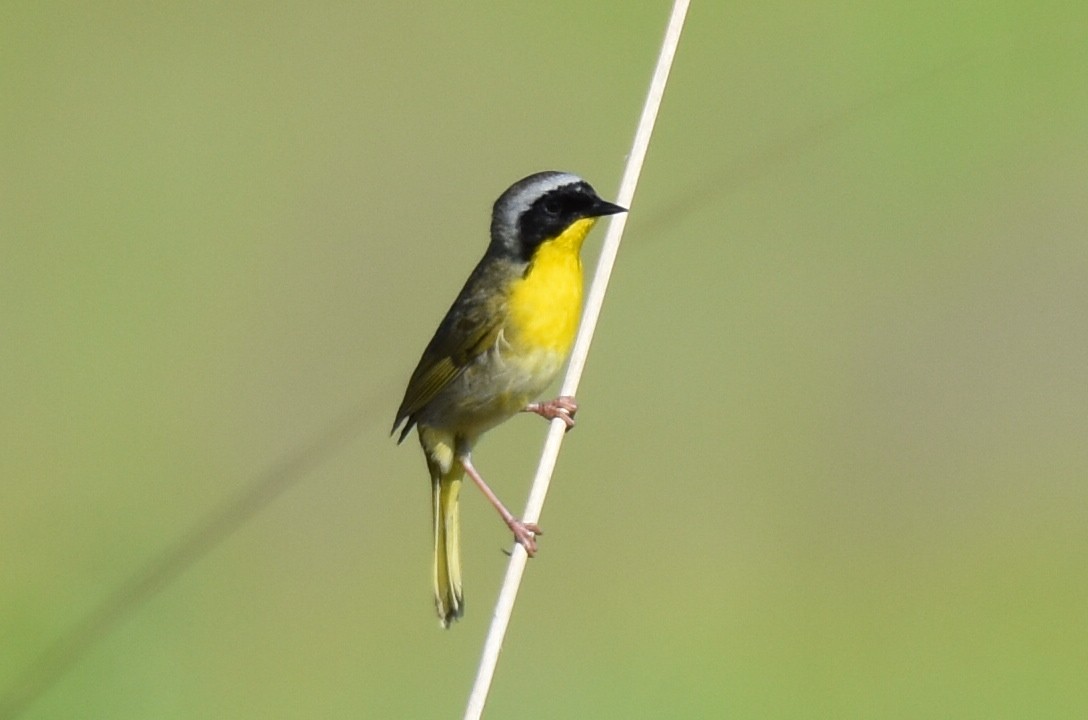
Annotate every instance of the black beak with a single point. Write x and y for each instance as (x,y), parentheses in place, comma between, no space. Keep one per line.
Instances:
(603,207)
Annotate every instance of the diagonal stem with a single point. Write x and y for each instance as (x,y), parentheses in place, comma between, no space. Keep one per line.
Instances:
(504,606)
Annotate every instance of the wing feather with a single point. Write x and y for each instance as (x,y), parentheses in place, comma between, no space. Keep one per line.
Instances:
(470,327)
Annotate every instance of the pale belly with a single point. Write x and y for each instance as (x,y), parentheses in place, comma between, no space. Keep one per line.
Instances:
(498,385)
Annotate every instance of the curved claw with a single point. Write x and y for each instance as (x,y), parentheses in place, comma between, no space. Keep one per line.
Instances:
(563,407)
(525,535)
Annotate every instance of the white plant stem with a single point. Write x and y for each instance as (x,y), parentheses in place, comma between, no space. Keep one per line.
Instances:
(504,606)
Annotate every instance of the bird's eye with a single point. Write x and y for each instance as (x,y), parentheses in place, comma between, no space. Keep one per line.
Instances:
(551,207)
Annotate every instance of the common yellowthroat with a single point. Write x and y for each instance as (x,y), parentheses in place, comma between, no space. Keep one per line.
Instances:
(502,342)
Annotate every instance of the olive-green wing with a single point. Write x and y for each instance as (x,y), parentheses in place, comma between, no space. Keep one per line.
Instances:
(469,329)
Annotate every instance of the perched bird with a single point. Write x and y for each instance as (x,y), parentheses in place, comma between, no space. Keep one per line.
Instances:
(502,342)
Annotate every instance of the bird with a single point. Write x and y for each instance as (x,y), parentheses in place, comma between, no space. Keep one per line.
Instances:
(500,345)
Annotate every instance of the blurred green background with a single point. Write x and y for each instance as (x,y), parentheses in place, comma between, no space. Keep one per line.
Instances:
(832,455)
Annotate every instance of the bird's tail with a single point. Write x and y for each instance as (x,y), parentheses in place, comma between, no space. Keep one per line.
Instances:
(445,489)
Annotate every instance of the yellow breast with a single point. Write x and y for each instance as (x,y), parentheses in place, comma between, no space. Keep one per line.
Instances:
(544,306)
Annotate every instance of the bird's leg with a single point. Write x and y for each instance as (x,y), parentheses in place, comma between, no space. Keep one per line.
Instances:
(563,407)
(524,533)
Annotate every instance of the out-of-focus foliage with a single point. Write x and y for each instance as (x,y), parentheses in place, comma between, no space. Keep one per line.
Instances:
(831,459)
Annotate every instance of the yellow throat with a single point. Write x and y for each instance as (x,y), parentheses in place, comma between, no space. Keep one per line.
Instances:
(545,304)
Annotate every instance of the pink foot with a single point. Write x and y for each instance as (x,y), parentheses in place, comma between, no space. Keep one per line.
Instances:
(562,407)
(525,535)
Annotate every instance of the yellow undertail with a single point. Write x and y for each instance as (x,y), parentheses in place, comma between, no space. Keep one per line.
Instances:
(446,488)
